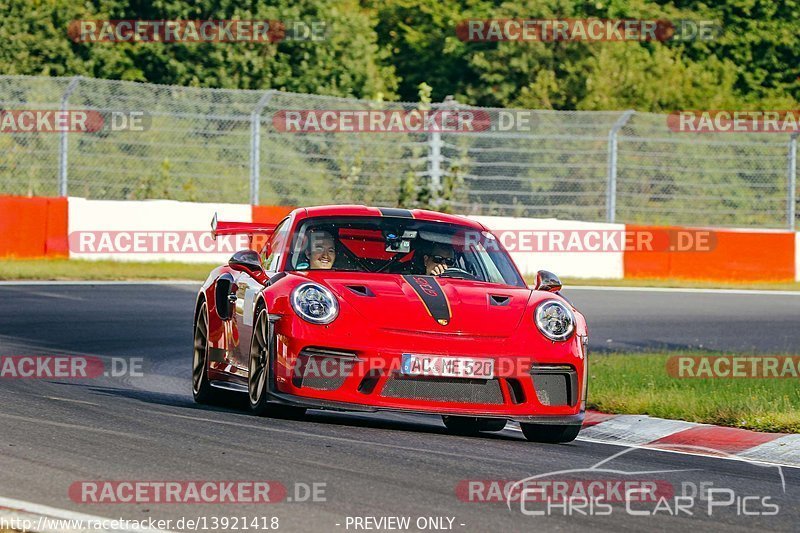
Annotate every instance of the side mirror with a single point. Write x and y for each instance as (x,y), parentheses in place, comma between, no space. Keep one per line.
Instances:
(547,281)
(225,296)
(246,260)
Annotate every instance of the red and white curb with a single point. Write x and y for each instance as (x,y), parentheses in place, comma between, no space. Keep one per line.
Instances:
(642,431)
(701,439)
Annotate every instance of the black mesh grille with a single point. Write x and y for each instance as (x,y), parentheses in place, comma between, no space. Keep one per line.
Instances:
(322,369)
(551,389)
(444,389)
(321,382)
(555,384)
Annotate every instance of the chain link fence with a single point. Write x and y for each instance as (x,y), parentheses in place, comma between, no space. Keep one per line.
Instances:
(226,146)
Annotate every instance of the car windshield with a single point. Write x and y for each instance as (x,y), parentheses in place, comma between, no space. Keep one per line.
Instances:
(390,245)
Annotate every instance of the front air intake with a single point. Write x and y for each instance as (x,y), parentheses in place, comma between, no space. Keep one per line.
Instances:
(555,385)
(486,391)
(323,368)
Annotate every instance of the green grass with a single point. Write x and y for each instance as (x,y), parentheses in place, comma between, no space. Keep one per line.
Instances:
(70,269)
(639,384)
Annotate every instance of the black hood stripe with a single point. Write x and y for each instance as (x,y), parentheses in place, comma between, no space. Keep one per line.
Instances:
(432,296)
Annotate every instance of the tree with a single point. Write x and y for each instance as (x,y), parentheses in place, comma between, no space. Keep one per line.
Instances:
(348,63)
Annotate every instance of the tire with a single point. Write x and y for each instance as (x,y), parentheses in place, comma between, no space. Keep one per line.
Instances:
(202,391)
(260,370)
(549,433)
(470,425)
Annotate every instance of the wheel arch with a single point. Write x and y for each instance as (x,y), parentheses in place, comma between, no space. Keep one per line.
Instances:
(201,299)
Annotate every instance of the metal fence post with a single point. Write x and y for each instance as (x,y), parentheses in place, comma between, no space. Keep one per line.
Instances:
(64,144)
(435,156)
(255,146)
(435,165)
(791,174)
(611,175)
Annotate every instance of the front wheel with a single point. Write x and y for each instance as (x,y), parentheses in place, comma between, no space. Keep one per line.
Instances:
(471,425)
(260,372)
(552,434)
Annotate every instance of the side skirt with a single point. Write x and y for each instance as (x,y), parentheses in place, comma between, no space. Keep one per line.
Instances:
(228,385)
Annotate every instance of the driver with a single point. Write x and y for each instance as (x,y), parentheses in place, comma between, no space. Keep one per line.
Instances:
(320,251)
(439,258)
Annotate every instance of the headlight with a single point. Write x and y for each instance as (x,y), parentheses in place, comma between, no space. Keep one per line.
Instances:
(554,320)
(314,303)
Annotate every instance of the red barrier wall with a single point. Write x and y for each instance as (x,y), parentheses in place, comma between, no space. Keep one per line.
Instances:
(37,227)
(733,256)
(270,214)
(33,227)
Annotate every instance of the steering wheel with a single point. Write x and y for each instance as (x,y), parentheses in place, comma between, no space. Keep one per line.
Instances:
(454,272)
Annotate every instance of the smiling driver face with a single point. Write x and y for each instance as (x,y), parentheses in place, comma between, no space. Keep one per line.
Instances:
(321,250)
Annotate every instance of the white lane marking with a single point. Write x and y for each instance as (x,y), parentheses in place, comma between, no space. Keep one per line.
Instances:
(71,401)
(55,295)
(746,292)
(71,426)
(11,507)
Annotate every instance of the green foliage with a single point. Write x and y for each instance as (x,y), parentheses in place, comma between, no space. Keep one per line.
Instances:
(745,66)
(384,49)
(348,63)
(157,186)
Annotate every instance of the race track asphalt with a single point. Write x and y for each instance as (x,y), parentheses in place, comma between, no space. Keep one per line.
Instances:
(55,433)
(651,320)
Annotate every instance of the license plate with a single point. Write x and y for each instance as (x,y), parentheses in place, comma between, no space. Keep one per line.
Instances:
(447,367)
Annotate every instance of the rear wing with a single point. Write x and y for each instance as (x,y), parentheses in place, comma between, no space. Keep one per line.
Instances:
(252,229)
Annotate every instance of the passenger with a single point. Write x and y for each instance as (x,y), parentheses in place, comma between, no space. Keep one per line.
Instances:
(320,251)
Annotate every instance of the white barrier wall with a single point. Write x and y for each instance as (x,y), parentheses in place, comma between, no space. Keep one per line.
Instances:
(573,264)
(137,231)
(151,230)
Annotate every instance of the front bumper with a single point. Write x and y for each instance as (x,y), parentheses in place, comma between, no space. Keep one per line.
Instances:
(327,405)
(353,376)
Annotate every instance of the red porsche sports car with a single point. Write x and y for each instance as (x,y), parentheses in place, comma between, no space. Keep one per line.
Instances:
(363,309)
